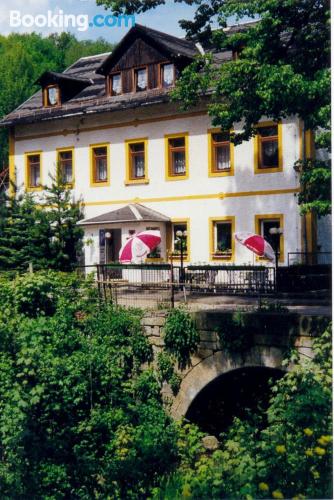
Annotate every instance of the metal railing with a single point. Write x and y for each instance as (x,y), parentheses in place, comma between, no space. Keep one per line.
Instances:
(230,279)
(161,285)
(309,258)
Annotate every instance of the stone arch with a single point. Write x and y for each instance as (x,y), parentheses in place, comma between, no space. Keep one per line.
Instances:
(208,369)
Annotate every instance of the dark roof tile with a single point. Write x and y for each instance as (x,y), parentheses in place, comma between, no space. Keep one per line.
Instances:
(130,213)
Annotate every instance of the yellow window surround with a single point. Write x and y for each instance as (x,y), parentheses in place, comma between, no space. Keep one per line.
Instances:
(214,256)
(27,182)
(276,217)
(168,175)
(93,182)
(256,141)
(69,149)
(129,180)
(186,221)
(211,171)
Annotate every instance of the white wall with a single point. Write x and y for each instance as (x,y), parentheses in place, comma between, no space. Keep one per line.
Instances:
(99,200)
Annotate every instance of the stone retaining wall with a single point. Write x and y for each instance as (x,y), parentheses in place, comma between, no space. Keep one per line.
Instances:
(273,334)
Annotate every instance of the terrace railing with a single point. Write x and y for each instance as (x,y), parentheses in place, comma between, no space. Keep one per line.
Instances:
(155,285)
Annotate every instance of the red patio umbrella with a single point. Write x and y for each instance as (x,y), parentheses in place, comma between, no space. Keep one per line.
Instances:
(256,244)
(136,248)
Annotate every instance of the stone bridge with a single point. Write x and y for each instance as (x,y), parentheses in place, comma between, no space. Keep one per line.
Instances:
(272,336)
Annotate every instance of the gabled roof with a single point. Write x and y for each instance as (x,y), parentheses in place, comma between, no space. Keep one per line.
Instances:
(54,77)
(92,99)
(171,45)
(70,85)
(133,212)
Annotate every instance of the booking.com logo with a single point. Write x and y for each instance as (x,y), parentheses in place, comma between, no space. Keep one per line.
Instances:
(60,20)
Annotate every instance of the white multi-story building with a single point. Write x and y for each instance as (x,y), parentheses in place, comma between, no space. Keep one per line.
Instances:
(138,161)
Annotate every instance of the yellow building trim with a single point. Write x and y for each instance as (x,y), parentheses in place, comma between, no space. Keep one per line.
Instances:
(180,135)
(11,165)
(211,172)
(280,218)
(311,232)
(309,144)
(266,192)
(256,139)
(93,183)
(97,128)
(211,196)
(66,150)
(213,255)
(27,186)
(182,220)
(145,179)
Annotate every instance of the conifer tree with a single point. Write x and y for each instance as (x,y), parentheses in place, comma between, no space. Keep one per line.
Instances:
(63,213)
(24,233)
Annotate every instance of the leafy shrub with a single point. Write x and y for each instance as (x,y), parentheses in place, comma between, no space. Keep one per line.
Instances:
(79,415)
(40,293)
(284,452)
(180,335)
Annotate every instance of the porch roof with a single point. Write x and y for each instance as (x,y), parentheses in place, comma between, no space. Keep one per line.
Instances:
(134,212)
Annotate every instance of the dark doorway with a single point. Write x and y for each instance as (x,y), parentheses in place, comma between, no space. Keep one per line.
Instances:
(234,394)
(113,245)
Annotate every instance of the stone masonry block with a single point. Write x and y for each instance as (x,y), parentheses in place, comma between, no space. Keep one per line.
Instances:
(156,341)
(207,335)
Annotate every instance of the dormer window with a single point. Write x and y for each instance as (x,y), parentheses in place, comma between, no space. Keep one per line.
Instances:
(116,84)
(140,79)
(52,96)
(167,75)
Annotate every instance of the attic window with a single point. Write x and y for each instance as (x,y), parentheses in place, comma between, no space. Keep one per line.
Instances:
(115,84)
(167,75)
(140,79)
(51,95)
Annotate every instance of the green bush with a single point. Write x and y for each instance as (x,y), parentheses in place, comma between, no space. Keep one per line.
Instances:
(79,415)
(283,452)
(180,335)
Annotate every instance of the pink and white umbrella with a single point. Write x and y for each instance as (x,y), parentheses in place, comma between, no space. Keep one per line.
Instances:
(256,244)
(136,248)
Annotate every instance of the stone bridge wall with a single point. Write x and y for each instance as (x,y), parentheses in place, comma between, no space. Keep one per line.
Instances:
(273,334)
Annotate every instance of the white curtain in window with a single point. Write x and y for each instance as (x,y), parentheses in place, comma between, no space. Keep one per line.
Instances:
(67,174)
(35,175)
(116,84)
(141,79)
(102,169)
(168,75)
(53,94)
(223,158)
(139,166)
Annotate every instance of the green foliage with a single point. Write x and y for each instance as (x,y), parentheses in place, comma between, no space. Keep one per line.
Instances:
(79,415)
(24,57)
(315,179)
(165,365)
(63,213)
(284,452)
(46,238)
(282,70)
(180,335)
(25,233)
